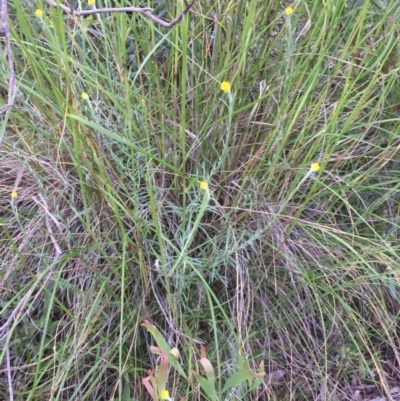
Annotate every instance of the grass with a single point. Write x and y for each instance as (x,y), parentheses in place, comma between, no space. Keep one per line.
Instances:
(272,262)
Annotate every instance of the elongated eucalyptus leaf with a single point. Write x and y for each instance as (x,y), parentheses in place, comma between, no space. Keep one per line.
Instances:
(162,372)
(243,374)
(206,386)
(208,368)
(150,388)
(163,345)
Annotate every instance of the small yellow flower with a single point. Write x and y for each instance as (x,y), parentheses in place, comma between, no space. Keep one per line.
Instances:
(175,353)
(14,194)
(91,2)
(225,86)
(315,167)
(84,96)
(204,185)
(39,13)
(289,11)
(164,395)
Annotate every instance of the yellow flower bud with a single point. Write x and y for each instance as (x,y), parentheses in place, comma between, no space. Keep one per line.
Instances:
(175,353)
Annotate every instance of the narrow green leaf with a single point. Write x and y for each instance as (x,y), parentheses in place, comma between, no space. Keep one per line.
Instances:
(206,386)
(241,376)
(208,368)
(122,140)
(163,345)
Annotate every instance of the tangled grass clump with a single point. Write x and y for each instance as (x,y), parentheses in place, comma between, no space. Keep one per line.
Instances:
(256,219)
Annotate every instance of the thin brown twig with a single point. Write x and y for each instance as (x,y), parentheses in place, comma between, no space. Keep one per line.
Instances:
(9,378)
(49,216)
(5,32)
(18,310)
(15,312)
(146,12)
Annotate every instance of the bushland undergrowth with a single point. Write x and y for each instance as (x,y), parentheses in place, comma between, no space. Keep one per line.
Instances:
(104,224)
